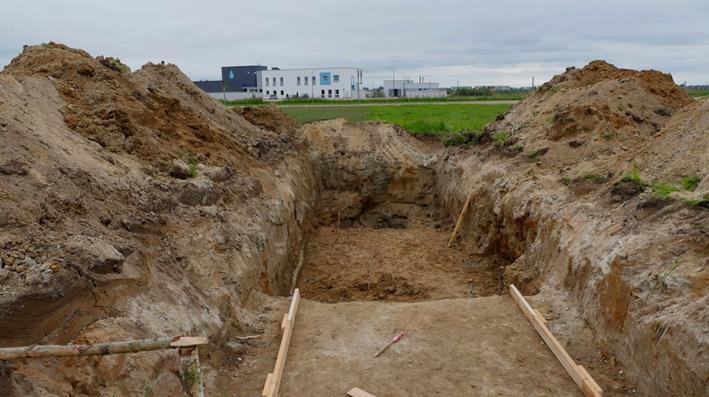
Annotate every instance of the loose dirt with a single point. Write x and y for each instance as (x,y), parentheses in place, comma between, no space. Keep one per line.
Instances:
(408,264)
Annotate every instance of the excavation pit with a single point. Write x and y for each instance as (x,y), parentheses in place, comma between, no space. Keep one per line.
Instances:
(411,263)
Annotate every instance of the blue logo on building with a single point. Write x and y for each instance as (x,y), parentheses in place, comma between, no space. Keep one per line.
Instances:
(231,75)
(324,78)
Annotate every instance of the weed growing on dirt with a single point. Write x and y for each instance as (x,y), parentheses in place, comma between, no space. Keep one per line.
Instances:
(566,180)
(702,202)
(114,64)
(518,147)
(662,189)
(691,182)
(595,178)
(634,176)
(501,137)
(535,155)
(463,139)
(192,163)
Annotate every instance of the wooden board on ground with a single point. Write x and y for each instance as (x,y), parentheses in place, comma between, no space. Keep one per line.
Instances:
(273,380)
(581,377)
(357,392)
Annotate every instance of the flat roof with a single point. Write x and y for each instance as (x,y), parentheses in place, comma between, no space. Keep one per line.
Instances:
(322,67)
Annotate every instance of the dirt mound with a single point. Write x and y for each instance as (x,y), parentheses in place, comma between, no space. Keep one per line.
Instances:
(132,205)
(597,183)
(656,83)
(156,113)
(269,117)
(605,116)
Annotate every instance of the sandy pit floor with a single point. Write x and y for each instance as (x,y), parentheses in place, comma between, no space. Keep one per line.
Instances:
(409,264)
(458,347)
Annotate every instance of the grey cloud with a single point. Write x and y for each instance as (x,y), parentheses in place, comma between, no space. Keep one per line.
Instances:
(474,42)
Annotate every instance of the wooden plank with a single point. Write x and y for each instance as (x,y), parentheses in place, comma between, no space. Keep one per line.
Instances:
(100,349)
(268,385)
(459,223)
(579,375)
(273,380)
(590,386)
(185,341)
(357,392)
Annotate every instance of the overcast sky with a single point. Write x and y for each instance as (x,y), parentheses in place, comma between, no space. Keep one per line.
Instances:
(472,42)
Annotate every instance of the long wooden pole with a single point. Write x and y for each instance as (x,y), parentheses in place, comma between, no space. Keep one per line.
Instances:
(460,219)
(100,349)
(578,373)
(190,373)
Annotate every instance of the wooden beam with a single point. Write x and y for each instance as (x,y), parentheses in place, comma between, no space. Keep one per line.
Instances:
(459,223)
(273,380)
(357,392)
(100,349)
(578,373)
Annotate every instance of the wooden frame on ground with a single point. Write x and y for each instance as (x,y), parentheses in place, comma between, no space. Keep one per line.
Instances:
(273,380)
(578,373)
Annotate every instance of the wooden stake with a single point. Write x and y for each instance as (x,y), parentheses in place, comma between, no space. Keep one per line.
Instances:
(581,377)
(460,219)
(273,380)
(190,373)
(296,273)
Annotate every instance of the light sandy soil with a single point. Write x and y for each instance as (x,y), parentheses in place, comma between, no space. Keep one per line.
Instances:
(393,264)
(457,347)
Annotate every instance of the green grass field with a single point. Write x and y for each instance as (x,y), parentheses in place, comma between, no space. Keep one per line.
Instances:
(319,101)
(417,119)
(698,93)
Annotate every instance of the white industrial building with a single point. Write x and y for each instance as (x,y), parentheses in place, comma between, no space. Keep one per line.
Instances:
(327,83)
(408,89)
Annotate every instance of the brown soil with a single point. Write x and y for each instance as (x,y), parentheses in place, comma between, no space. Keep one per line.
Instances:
(458,347)
(409,264)
(269,117)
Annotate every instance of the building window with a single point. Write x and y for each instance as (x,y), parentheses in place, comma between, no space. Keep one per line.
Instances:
(274,81)
(329,93)
(306,80)
(322,92)
(281,92)
(313,80)
(298,81)
(337,93)
(281,81)
(266,81)
(336,78)
(268,92)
